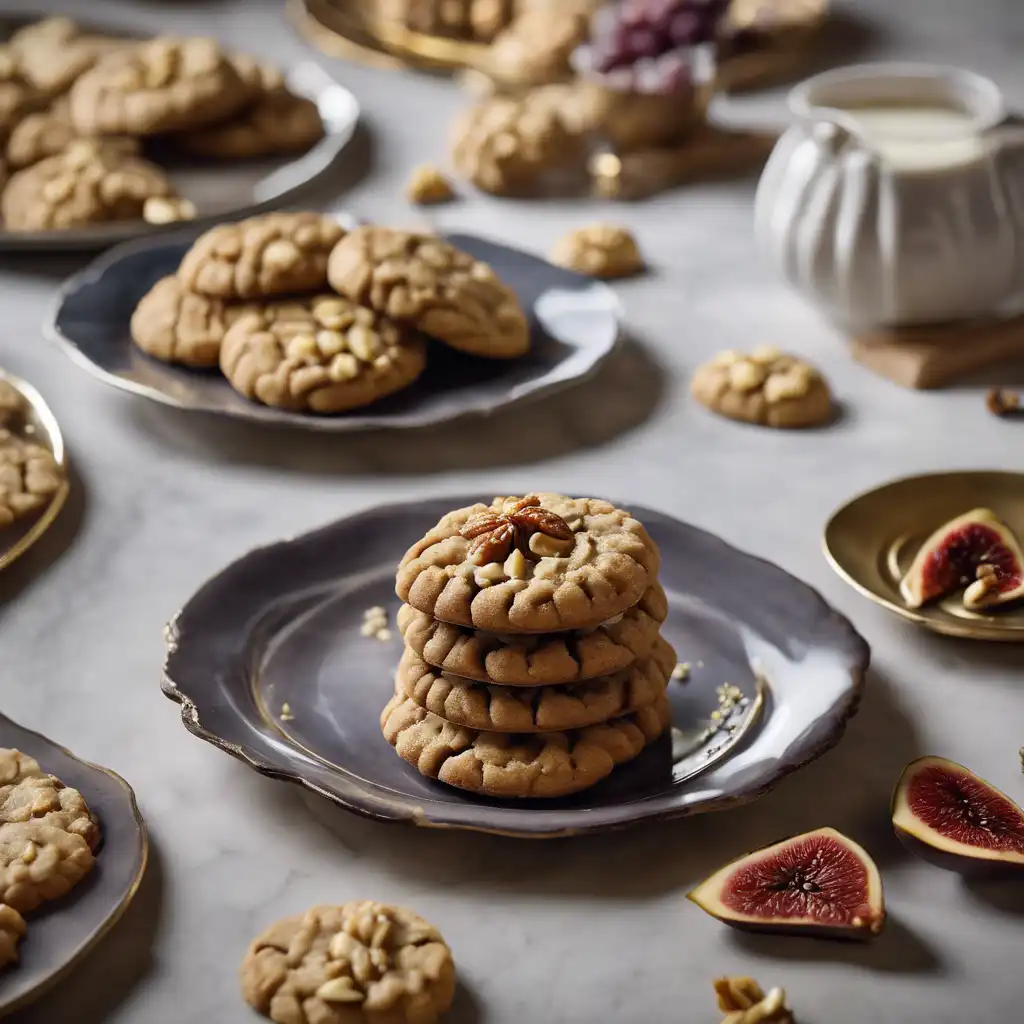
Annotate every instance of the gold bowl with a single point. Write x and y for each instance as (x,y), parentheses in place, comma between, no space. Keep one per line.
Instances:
(872,539)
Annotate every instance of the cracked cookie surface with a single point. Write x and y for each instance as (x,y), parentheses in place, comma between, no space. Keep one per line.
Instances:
(12,931)
(767,387)
(538,659)
(29,477)
(260,257)
(540,564)
(515,709)
(39,862)
(438,289)
(324,354)
(518,765)
(361,961)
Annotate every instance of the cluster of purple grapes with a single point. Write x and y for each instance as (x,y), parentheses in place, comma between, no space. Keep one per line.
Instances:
(640,44)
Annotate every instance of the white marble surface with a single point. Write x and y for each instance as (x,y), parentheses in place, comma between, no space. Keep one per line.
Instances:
(572,931)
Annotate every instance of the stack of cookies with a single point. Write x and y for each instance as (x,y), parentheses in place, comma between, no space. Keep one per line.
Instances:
(302,315)
(533,661)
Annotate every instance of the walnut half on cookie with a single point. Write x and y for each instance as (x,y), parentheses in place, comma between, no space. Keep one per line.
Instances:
(767,387)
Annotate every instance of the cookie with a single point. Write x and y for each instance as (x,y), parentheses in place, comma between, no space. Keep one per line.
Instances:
(49,132)
(767,387)
(54,52)
(175,325)
(509,146)
(515,765)
(12,931)
(27,793)
(39,862)
(440,290)
(537,46)
(29,477)
(18,96)
(88,183)
(263,256)
(162,85)
(517,709)
(12,404)
(599,250)
(361,961)
(538,659)
(539,564)
(323,354)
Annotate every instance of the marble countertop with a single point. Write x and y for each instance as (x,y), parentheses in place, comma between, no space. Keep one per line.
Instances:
(570,931)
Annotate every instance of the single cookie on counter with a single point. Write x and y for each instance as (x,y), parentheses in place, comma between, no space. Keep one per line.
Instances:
(29,477)
(358,962)
(162,85)
(272,254)
(438,289)
(767,387)
(323,354)
(39,862)
(599,250)
(12,931)
(541,658)
(514,766)
(91,181)
(542,563)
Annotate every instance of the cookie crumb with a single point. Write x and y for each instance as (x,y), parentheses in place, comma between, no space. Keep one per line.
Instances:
(375,624)
(1002,402)
(428,186)
(743,1001)
(681,672)
(286,712)
(167,210)
(384,635)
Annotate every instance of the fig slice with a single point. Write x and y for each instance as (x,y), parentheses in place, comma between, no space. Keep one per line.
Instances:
(946,814)
(819,883)
(976,550)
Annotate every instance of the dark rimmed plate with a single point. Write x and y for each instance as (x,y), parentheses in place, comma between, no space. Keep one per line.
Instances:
(282,626)
(574,323)
(61,933)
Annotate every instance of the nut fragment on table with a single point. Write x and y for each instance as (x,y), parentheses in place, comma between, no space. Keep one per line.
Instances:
(1002,402)
(168,210)
(428,185)
(599,250)
(743,1001)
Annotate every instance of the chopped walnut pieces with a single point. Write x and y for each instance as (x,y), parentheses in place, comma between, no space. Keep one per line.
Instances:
(743,1001)
(1002,402)
(428,186)
(495,534)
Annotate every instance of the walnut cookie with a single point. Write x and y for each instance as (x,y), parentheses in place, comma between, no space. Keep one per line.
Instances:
(162,85)
(767,387)
(361,961)
(29,477)
(175,325)
(539,564)
(438,289)
(538,659)
(261,257)
(39,862)
(599,250)
(12,931)
(517,709)
(55,52)
(516,766)
(324,354)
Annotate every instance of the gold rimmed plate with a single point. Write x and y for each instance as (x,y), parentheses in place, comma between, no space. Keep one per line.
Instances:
(40,426)
(872,539)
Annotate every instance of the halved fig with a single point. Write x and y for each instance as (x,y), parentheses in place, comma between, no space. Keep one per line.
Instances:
(819,883)
(976,550)
(948,815)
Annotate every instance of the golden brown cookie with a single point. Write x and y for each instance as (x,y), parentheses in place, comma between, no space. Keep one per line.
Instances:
(523,709)
(599,250)
(323,354)
(767,387)
(359,962)
(12,931)
(12,403)
(272,254)
(539,564)
(175,325)
(440,290)
(49,132)
(54,52)
(18,96)
(508,146)
(39,862)
(478,20)
(536,47)
(515,766)
(27,793)
(29,477)
(428,186)
(162,85)
(88,183)
(540,658)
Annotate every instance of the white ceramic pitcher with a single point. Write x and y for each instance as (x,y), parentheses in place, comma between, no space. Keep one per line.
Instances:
(883,233)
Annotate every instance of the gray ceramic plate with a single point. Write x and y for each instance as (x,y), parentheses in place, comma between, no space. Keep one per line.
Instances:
(61,933)
(574,323)
(226,190)
(281,626)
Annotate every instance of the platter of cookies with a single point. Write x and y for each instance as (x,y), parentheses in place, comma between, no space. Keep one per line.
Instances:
(33,467)
(73,850)
(291,318)
(531,666)
(107,137)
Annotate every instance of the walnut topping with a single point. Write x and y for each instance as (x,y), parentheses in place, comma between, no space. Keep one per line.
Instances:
(495,534)
(743,1001)
(1002,402)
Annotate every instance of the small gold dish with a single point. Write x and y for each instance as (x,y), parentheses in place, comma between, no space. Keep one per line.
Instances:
(40,426)
(872,539)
